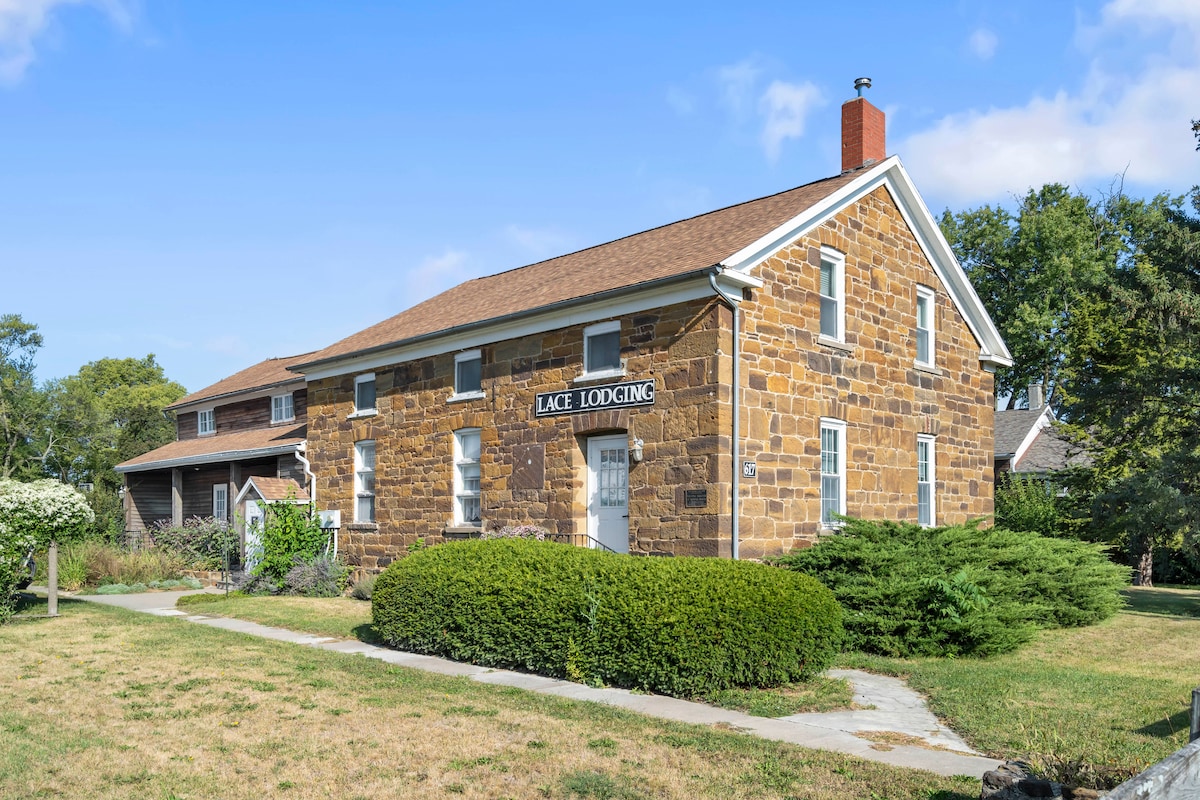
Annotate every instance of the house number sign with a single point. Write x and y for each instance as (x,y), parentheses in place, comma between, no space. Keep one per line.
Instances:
(595,398)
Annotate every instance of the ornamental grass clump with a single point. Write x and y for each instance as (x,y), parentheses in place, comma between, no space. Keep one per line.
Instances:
(679,626)
(958,590)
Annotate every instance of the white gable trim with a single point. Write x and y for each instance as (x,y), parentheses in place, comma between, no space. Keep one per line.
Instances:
(1035,430)
(892,175)
(251,485)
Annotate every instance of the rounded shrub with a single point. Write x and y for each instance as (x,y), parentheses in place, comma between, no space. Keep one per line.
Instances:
(958,590)
(679,626)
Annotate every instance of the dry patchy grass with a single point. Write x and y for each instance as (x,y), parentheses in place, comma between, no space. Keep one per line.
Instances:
(104,703)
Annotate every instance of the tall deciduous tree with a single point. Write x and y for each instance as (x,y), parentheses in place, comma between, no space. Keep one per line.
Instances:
(22,404)
(1033,269)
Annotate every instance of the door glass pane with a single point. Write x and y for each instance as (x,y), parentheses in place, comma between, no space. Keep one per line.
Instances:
(613,477)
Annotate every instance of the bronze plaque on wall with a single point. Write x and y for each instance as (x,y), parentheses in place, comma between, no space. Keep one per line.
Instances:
(695,498)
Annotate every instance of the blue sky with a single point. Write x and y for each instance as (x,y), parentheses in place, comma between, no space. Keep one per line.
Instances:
(220,182)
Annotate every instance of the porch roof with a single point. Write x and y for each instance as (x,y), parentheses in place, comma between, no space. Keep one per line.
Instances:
(238,446)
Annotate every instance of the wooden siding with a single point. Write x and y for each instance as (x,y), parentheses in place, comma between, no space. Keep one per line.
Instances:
(242,415)
(149,498)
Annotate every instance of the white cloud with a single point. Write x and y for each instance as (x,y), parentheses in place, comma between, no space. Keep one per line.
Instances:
(785,106)
(23,22)
(737,83)
(1131,118)
(781,109)
(983,43)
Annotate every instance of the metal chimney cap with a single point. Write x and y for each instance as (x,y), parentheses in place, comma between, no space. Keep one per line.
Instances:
(862,83)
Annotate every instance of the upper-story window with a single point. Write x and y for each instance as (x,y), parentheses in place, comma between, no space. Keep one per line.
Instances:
(206,422)
(468,375)
(466,477)
(925,329)
(833,295)
(282,408)
(602,349)
(364,481)
(364,394)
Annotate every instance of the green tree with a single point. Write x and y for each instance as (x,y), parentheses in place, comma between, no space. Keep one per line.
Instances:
(22,403)
(108,412)
(1132,385)
(1032,269)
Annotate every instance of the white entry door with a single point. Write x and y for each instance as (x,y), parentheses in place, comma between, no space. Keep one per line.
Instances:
(254,524)
(608,491)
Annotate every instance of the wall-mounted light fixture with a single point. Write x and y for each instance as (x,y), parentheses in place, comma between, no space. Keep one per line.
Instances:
(635,452)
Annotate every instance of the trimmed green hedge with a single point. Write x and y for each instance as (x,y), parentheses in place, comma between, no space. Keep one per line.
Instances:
(959,590)
(679,626)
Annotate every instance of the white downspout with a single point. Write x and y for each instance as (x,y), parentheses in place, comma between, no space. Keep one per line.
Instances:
(737,410)
(301,449)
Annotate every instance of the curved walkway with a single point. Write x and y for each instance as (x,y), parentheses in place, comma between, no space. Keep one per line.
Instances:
(893,715)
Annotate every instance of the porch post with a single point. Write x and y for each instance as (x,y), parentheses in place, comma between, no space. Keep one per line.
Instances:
(177,497)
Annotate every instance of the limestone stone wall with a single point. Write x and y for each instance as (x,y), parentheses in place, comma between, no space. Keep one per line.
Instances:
(871,383)
(534,470)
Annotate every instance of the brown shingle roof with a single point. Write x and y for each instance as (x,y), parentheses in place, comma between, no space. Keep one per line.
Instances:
(275,489)
(265,374)
(672,250)
(227,447)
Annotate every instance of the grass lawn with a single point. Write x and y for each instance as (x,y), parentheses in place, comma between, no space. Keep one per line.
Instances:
(1114,696)
(106,703)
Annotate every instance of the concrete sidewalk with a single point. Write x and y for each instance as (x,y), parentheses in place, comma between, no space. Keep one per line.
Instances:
(890,706)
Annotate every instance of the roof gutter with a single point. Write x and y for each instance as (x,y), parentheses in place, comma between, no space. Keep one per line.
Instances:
(491,321)
(210,458)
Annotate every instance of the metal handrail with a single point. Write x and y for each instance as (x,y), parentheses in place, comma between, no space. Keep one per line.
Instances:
(571,537)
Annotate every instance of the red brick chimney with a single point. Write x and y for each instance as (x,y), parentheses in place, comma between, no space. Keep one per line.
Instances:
(863,138)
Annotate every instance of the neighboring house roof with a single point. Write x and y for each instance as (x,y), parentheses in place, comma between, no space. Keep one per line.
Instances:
(273,490)
(1015,430)
(1026,438)
(267,374)
(237,446)
(731,240)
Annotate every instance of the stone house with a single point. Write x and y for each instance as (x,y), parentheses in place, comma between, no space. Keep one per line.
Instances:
(725,385)
(249,425)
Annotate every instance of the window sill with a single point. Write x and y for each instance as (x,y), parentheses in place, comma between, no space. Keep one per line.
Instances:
(275,422)
(836,344)
(206,434)
(462,531)
(930,368)
(367,412)
(462,397)
(600,375)
(363,526)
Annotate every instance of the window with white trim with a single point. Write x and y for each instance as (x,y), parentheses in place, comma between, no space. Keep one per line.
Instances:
(364,481)
(220,509)
(602,349)
(282,408)
(206,422)
(466,477)
(468,375)
(925,329)
(833,294)
(833,471)
(926,481)
(364,393)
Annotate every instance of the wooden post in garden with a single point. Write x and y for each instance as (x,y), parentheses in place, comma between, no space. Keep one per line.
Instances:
(1195,734)
(52,580)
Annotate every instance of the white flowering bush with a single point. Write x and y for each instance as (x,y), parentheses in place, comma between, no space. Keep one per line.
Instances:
(33,515)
